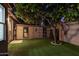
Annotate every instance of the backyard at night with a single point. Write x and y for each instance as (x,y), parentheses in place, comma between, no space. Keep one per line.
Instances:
(44,30)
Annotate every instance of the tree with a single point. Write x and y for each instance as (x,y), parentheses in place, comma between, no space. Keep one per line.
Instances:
(31,13)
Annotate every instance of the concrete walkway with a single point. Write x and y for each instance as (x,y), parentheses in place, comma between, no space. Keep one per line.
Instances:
(16,41)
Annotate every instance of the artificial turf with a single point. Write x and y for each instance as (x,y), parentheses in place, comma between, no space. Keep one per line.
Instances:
(42,48)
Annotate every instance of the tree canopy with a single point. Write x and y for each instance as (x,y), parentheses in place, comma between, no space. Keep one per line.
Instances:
(34,13)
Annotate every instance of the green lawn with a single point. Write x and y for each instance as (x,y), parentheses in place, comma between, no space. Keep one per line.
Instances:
(42,48)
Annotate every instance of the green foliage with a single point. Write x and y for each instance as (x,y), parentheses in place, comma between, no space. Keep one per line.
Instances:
(31,13)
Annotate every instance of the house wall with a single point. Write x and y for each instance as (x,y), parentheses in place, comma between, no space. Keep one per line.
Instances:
(73,33)
(11,21)
(33,32)
(10,29)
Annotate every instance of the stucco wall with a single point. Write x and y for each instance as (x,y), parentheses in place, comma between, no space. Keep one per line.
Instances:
(73,34)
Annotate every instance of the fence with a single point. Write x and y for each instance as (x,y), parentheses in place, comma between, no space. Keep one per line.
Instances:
(73,33)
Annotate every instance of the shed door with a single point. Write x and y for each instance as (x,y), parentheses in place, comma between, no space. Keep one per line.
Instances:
(25,32)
